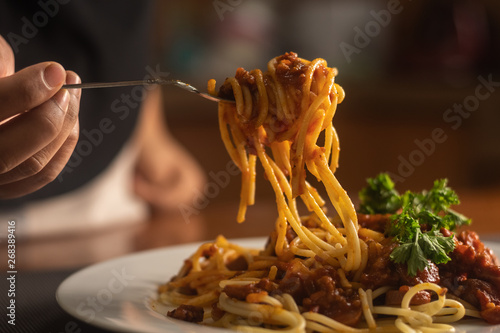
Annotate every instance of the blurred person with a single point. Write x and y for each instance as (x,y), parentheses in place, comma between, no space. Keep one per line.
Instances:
(66,166)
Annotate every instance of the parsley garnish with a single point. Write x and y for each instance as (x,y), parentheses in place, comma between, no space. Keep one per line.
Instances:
(416,220)
(380,196)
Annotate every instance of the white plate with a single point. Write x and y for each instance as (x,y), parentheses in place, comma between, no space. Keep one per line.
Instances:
(119,294)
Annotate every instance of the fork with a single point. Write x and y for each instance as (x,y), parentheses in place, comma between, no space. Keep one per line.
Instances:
(147,82)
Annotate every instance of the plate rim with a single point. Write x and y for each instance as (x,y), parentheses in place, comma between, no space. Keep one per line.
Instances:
(101,322)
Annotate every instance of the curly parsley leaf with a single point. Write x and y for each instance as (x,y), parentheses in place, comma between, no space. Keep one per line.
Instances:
(436,246)
(412,254)
(416,221)
(440,197)
(427,246)
(404,226)
(453,220)
(380,196)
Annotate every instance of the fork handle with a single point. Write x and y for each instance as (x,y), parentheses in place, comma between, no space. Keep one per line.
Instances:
(114,84)
(148,82)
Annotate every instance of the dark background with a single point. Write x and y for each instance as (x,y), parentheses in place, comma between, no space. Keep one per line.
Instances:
(405,75)
(416,64)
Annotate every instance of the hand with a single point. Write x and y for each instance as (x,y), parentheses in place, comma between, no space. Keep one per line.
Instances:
(38,123)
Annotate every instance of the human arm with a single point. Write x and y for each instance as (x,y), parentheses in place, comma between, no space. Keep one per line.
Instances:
(38,123)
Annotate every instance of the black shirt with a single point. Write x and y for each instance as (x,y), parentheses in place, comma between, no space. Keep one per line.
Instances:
(101,41)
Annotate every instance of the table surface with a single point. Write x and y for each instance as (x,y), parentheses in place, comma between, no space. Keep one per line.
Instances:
(36,306)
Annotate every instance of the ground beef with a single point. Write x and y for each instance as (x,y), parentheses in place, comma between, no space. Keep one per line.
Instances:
(190,313)
(380,270)
(473,274)
(377,222)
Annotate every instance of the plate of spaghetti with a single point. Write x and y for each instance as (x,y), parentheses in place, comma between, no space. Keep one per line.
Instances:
(399,262)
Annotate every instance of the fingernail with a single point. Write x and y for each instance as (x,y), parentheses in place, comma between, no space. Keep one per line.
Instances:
(62,99)
(54,75)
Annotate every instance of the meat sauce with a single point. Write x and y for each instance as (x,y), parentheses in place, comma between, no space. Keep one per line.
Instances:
(317,290)
(473,274)
(189,313)
(290,72)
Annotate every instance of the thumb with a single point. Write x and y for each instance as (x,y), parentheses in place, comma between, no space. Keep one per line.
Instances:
(6,58)
(30,87)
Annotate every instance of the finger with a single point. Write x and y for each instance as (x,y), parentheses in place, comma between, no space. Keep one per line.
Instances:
(29,88)
(39,160)
(47,175)
(6,58)
(73,78)
(31,131)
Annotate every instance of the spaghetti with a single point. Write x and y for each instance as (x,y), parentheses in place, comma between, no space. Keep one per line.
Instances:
(316,273)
